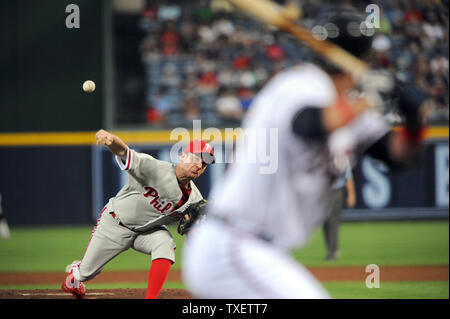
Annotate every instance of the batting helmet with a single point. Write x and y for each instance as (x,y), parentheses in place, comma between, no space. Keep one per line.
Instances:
(346,28)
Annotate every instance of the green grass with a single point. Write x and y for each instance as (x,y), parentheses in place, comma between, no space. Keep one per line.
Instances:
(383,243)
(389,290)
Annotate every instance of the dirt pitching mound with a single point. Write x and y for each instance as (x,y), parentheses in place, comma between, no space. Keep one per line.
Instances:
(92,294)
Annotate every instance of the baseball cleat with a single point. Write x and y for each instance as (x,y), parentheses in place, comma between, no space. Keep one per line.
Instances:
(72,285)
(332,256)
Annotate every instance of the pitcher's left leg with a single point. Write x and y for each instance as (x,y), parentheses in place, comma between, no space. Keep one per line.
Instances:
(158,243)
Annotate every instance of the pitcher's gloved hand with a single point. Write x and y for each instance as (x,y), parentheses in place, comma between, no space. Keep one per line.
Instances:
(193,214)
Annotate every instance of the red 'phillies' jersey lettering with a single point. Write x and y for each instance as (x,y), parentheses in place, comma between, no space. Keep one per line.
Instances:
(152,192)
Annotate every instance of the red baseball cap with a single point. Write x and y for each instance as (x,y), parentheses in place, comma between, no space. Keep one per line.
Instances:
(204,149)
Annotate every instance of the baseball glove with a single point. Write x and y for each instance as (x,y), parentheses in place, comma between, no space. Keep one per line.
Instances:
(193,214)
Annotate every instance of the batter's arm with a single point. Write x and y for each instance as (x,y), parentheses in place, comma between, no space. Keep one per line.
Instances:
(113,142)
(341,113)
(315,122)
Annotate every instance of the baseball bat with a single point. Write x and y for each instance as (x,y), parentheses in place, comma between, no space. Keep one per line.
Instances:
(276,15)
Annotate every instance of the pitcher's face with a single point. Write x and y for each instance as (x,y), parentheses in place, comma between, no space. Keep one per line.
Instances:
(192,165)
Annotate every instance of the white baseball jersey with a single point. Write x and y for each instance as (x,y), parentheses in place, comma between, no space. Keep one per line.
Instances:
(287,206)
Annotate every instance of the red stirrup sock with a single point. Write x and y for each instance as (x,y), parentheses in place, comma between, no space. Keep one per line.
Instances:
(156,277)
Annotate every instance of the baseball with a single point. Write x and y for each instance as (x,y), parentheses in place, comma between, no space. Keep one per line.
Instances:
(89,86)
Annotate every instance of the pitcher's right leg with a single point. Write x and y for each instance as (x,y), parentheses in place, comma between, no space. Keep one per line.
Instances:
(107,241)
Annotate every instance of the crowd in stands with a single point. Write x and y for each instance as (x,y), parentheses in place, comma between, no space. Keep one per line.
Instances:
(204,61)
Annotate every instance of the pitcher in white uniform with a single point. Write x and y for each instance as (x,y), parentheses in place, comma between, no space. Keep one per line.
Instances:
(255,220)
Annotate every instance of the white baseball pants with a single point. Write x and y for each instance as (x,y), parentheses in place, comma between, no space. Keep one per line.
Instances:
(220,262)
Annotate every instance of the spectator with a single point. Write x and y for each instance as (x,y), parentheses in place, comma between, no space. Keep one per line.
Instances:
(149,49)
(170,77)
(382,60)
(261,76)
(223,26)
(395,14)
(433,30)
(422,68)
(247,79)
(412,15)
(226,77)
(169,40)
(275,52)
(439,65)
(188,35)
(190,81)
(207,82)
(148,21)
(160,106)
(246,96)
(206,33)
(222,49)
(228,105)
(241,62)
(152,115)
(203,12)
(170,11)
(439,89)
(381,43)
(191,108)
(213,51)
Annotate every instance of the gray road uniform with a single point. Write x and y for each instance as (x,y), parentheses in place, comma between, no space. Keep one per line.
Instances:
(331,224)
(137,217)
